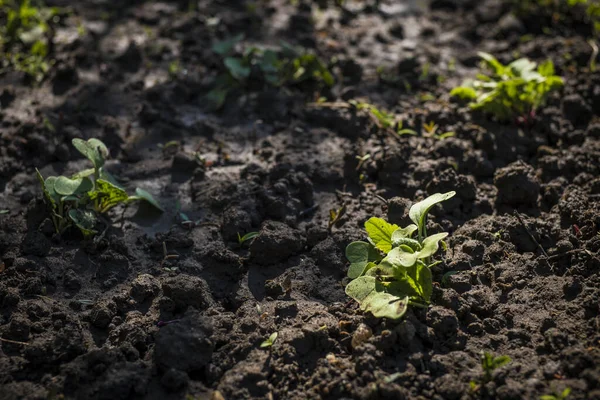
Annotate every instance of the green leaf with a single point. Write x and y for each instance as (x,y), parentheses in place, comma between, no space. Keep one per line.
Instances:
(246,237)
(380,232)
(68,187)
(270,341)
(492,62)
(399,257)
(385,305)
(418,212)
(141,194)
(85,220)
(236,68)
(501,361)
(431,244)
(93,149)
(224,47)
(378,302)
(216,97)
(420,279)
(360,254)
(107,195)
(83,174)
(464,93)
(404,233)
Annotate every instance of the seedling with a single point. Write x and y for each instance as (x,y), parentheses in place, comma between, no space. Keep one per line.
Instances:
(246,237)
(489,363)
(25,36)
(510,91)
(81,199)
(393,269)
(270,341)
(557,395)
(431,129)
(384,120)
(335,216)
(286,65)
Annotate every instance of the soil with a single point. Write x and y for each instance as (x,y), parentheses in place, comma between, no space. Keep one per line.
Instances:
(114,319)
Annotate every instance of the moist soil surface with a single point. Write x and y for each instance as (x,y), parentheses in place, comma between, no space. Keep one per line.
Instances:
(113,318)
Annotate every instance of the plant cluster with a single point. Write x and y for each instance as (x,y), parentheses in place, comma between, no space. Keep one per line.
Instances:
(510,91)
(557,10)
(284,66)
(393,269)
(81,199)
(25,36)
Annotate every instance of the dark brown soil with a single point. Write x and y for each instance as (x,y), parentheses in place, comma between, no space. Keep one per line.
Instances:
(81,319)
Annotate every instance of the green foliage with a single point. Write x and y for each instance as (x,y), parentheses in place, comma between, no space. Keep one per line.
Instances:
(283,66)
(392,270)
(270,341)
(79,200)
(510,91)
(558,395)
(246,237)
(25,36)
(383,119)
(489,363)
(580,11)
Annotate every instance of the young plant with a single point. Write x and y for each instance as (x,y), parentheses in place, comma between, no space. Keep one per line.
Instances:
(489,363)
(510,91)
(270,341)
(79,200)
(557,395)
(286,65)
(384,120)
(393,269)
(26,36)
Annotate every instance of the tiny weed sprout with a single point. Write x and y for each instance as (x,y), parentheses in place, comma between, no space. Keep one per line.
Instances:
(246,237)
(270,341)
(510,91)
(384,120)
(489,363)
(79,200)
(557,395)
(393,269)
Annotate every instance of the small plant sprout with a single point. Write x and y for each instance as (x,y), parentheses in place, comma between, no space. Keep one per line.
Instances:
(393,269)
(81,199)
(431,129)
(285,65)
(270,341)
(510,92)
(489,363)
(246,237)
(384,120)
(557,395)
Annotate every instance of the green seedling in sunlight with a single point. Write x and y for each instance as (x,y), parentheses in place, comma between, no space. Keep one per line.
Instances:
(489,363)
(393,269)
(26,35)
(510,92)
(81,199)
(270,341)
(557,395)
(362,160)
(384,120)
(248,236)
(282,66)
(431,129)
(335,216)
